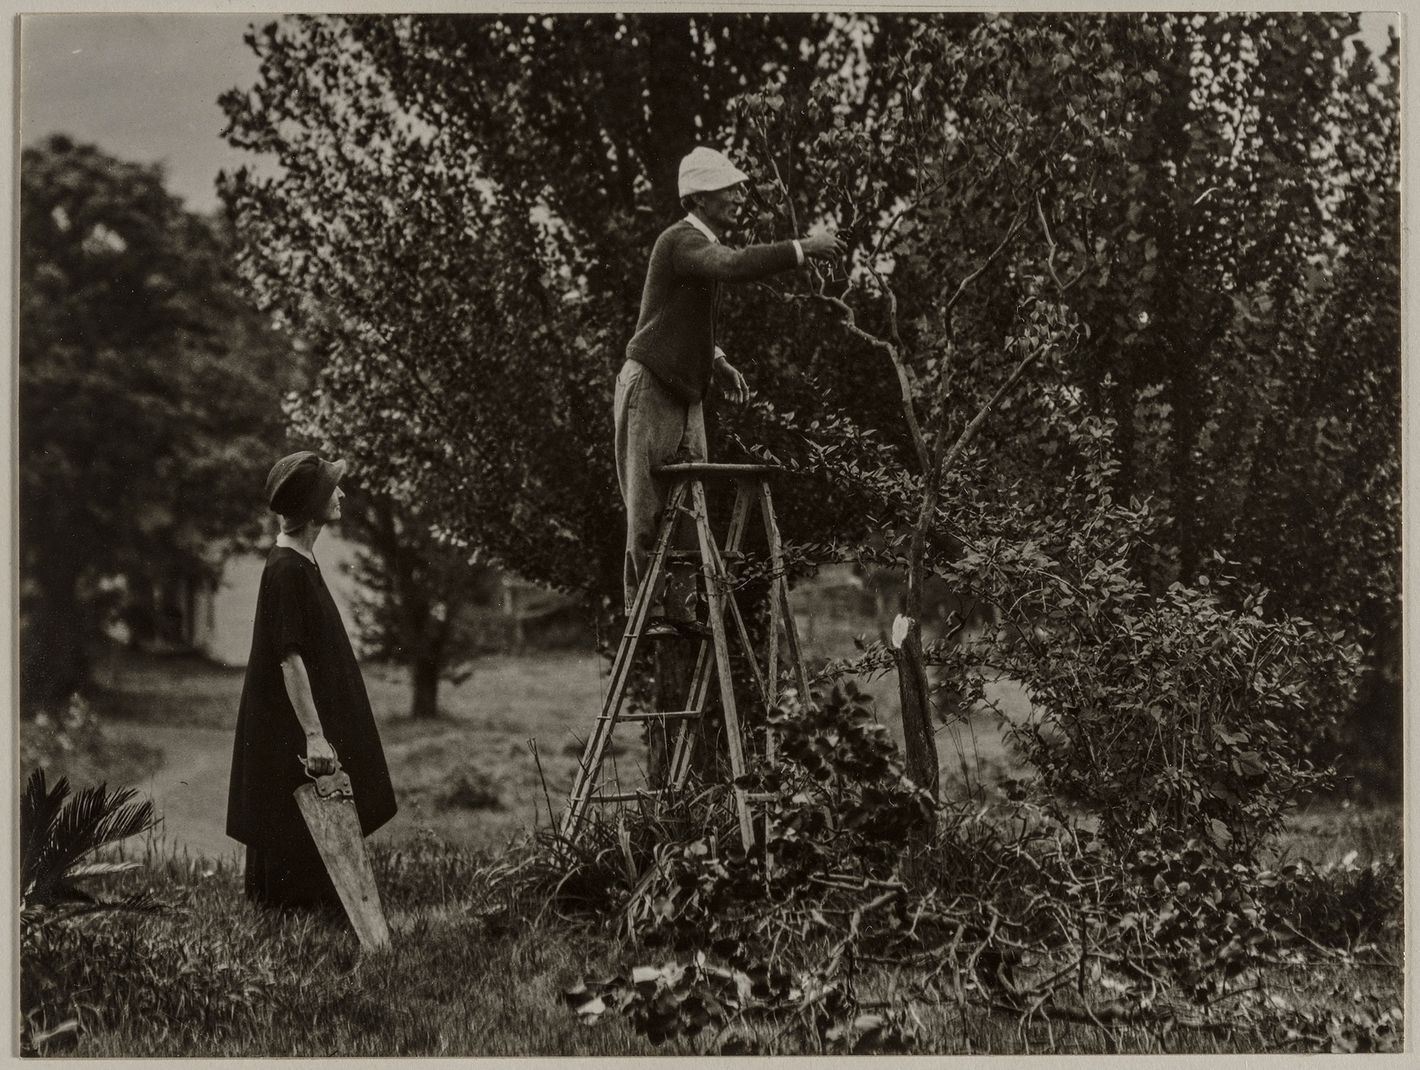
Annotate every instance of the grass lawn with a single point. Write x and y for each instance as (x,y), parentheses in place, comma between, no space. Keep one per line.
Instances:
(471,973)
(211,976)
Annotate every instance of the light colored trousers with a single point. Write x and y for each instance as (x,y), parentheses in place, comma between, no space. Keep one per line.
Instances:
(653,427)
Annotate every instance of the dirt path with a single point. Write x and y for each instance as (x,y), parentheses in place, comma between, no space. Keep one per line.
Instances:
(189,787)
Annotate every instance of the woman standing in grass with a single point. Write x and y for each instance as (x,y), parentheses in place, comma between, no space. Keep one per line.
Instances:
(303,698)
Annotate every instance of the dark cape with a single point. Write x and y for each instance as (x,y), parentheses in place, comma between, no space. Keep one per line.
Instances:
(295,612)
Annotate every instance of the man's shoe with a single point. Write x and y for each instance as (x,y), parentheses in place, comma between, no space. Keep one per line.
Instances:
(658,628)
(691,628)
(674,627)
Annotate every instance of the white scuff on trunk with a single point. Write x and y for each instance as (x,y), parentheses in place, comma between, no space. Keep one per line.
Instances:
(900,626)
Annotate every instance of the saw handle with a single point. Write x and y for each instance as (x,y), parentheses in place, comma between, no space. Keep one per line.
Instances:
(306,765)
(333,784)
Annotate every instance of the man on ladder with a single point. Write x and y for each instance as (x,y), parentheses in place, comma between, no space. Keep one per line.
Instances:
(672,358)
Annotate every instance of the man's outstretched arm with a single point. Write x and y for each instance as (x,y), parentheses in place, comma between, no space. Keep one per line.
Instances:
(698,257)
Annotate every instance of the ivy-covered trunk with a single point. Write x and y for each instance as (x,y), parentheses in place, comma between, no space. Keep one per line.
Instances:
(913,690)
(919,742)
(670,95)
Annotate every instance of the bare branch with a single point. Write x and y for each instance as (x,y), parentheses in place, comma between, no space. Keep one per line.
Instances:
(902,213)
(969,432)
(893,332)
(1049,241)
(1011,231)
(909,412)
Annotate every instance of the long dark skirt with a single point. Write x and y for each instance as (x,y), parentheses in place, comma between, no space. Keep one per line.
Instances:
(291,875)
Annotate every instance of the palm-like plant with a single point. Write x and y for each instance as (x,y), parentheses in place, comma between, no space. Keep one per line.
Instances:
(57,835)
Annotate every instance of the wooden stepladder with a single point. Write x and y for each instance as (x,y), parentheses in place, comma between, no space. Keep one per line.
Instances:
(686,502)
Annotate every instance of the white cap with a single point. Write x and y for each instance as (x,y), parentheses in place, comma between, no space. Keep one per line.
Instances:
(705,170)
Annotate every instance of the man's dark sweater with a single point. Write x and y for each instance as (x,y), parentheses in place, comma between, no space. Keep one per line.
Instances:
(675,335)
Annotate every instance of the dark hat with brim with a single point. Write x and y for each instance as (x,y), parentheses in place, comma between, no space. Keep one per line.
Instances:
(299,485)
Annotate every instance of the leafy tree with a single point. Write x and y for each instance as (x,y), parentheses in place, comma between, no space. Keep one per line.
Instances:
(148,398)
(1069,214)
(1323,450)
(415,597)
(1073,152)
(468,253)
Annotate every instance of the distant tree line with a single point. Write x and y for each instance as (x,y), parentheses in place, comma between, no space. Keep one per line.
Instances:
(151,404)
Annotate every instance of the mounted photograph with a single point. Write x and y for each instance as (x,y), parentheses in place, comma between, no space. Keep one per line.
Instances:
(678,533)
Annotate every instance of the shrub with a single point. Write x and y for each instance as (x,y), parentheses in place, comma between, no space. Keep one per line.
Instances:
(833,927)
(1176,713)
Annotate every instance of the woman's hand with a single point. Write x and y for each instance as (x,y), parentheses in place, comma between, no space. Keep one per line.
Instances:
(320,755)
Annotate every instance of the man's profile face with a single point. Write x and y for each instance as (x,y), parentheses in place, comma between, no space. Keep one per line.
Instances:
(720,210)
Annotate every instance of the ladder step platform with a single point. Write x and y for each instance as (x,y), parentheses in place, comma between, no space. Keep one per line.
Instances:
(630,796)
(678,556)
(662,715)
(686,501)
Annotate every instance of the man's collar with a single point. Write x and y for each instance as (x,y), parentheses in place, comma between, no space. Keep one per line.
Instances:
(695,222)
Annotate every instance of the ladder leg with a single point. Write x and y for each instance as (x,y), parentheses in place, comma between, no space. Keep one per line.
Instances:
(728,599)
(718,568)
(595,751)
(771,675)
(688,734)
(744,498)
(689,730)
(780,592)
(734,535)
(722,660)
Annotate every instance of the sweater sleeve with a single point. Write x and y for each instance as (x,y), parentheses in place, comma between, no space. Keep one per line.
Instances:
(698,257)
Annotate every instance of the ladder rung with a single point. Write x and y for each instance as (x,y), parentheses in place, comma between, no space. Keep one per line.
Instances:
(702,469)
(628,796)
(760,796)
(664,715)
(694,555)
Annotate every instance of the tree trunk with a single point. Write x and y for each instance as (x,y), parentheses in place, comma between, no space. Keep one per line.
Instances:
(919,740)
(671,97)
(1121,401)
(424,679)
(53,660)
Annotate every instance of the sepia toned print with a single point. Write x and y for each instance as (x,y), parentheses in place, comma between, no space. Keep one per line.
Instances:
(1010,402)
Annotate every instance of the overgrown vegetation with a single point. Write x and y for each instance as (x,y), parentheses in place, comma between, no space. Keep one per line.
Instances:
(487,946)
(837,933)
